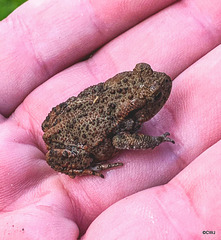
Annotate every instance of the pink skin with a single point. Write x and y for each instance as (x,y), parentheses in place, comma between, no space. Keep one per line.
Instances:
(155,194)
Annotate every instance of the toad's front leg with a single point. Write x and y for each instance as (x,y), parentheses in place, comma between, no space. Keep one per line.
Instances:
(126,140)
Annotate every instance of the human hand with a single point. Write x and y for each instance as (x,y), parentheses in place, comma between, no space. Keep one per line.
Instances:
(42,44)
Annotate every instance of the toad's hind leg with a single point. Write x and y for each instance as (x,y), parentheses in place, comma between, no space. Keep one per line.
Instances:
(69,162)
(72,163)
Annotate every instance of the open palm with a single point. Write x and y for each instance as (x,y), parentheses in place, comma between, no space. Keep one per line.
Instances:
(47,55)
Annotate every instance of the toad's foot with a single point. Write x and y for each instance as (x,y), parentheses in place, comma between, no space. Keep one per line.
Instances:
(126,140)
(103,166)
(95,170)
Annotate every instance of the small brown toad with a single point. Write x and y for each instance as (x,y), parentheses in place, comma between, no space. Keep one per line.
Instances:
(82,133)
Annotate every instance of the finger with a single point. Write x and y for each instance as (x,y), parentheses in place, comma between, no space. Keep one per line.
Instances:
(169,41)
(196,106)
(184,208)
(44,37)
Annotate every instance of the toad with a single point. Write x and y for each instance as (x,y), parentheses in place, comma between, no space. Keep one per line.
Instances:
(84,132)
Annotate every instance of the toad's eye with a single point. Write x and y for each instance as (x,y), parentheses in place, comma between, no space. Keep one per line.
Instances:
(158,96)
